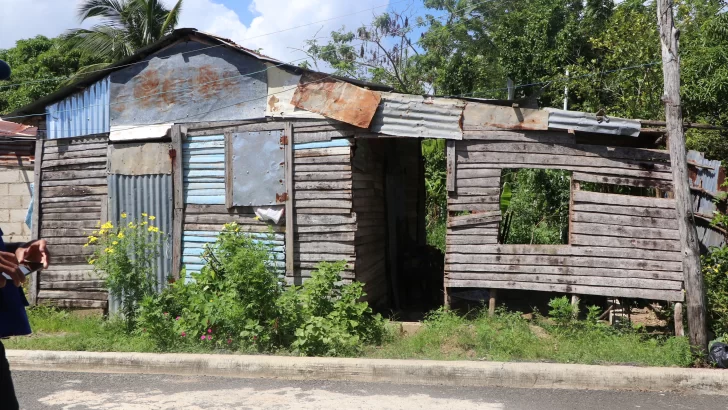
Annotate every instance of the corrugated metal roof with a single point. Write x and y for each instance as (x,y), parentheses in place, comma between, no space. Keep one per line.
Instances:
(407,115)
(706,176)
(12,129)
(84,113)
(587,122)
(151,194)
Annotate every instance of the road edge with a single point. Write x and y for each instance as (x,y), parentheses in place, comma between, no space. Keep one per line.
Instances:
(421,372)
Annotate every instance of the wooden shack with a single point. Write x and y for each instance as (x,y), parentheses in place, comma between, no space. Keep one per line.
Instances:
(204,132)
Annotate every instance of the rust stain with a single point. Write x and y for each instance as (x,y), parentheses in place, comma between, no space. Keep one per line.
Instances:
(208,82)
(510,118)
(336,99)
(147,84)
(272,101)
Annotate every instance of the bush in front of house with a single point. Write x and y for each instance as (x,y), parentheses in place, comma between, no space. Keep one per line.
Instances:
(715,274)
(239,302)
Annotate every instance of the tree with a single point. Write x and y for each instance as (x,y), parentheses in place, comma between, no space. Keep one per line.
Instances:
(39,66)
(127,26)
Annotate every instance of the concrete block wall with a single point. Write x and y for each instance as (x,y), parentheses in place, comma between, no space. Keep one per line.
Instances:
(14,200)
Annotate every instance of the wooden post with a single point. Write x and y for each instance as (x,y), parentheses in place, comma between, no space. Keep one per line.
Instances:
(34,285)
(679,327)
(290,229)
(695,294)
(493,293)
(575,299)
(450,182)
(178,201)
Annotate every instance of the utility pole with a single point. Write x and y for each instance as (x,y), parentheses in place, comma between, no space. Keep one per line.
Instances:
(695,294)
(566,91)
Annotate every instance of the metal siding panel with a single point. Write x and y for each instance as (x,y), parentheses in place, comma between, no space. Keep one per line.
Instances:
(203,84)
(204,167)
(153,195)
(587,122)
(707,179)
(418,116)
(83,113)
(258,174)
(340,142)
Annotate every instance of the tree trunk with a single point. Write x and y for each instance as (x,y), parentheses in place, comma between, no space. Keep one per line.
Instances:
(695,297)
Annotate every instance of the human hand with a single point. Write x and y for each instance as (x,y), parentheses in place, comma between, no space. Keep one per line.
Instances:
(36,251)
(9,265)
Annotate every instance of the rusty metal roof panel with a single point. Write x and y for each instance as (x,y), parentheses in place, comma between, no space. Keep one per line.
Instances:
(586,122)
(405,115)
(705,178)
(336,99)
(12,129)
(487,116)
(80,114)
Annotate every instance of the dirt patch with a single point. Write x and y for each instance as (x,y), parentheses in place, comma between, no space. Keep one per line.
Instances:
(540,332)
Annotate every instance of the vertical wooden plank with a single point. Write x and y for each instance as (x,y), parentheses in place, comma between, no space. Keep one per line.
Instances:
(575,186)
(104,208)
(451,165)
(228,169)
(679,326)
(34,285)
(290,229)
(694,287)
(492,300)
(178,215)
(575,299)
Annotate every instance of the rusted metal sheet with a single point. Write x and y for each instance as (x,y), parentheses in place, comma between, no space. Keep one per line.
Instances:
(336,99)
(487,117)
(587,122)
(83,113)
(281,88)
(405,115)
(140,158)
(706,179)
(12,129)
(192,82)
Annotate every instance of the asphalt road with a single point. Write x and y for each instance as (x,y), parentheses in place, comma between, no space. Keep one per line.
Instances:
(80,391)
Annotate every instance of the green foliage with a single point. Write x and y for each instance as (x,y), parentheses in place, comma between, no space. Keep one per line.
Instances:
(538,209)
(433,154)
(125,257)
(562,312)
(238,301)
(715,275)
(127,26)
(42,64)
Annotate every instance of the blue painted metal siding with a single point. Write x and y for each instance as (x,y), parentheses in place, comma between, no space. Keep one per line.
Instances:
(194,243)
(340,142)
(203,160)
(84,113)
(150,194)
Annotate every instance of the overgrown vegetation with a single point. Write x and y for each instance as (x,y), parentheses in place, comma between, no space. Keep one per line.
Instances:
(715,274)
(433,153)
(238,302)
(445,335)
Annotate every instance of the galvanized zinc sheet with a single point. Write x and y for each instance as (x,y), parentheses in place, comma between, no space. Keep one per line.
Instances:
(194,242)
(150,194)
(281,88)
(203,164)
(405,115)
(587,122)
(84,113)
(258,177)
(706,176)
(189,81)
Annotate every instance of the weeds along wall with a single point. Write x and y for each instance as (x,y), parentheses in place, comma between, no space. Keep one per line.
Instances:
(619,245)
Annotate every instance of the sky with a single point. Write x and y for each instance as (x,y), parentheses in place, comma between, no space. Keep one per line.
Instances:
(249,23)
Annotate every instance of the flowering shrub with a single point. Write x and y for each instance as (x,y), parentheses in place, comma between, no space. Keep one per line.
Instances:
(238,301)
(124,256)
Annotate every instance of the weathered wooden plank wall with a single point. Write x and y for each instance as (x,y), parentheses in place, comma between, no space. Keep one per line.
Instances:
(73,186)
(620,245)
(325,223)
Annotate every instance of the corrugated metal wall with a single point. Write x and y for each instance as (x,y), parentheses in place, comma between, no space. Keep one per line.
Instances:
(84,113)
(151,194)
(203,159)
(707,177)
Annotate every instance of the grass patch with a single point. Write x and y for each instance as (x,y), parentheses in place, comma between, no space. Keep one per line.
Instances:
(444,336)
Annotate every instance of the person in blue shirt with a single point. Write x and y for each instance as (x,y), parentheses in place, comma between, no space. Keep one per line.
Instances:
(13,319)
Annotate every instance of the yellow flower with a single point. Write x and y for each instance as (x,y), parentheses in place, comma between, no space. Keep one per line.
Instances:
(102,232)
(92,239)
(109,250)
(115,243)
(123,214)
(143,223)
(98,223)
(131,225)
(120,235)
(107,226)
(144,214)
(91,261)
(85,245)
(257,218)
(152,217)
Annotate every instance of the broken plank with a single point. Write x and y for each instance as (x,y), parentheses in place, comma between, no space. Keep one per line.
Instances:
(475,219)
